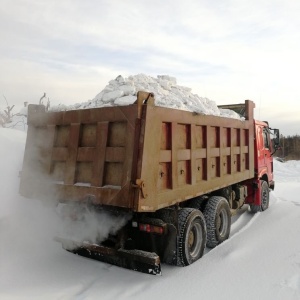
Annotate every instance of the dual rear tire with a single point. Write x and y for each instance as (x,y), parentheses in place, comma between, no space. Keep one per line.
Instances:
(191,236)
(218,220)
(197,230)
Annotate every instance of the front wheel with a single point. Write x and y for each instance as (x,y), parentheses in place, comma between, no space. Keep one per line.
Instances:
(264,196)
(191,236)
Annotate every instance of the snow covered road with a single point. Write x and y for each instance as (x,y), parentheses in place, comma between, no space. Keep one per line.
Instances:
(261,259)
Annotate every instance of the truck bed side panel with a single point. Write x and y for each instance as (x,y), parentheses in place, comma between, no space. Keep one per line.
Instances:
(187,155)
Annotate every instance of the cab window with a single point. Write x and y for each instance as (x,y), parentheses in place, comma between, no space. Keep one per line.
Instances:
(266,138)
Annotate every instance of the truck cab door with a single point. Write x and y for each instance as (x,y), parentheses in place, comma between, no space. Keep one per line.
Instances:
(267,152)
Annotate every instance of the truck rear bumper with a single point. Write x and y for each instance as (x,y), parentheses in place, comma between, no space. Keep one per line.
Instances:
(137,260)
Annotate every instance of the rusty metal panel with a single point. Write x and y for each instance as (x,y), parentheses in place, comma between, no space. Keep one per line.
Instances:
(74,154)
(139,157)
(186,155)
(100,152)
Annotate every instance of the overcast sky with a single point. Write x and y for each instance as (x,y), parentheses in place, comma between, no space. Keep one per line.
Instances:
(227,51)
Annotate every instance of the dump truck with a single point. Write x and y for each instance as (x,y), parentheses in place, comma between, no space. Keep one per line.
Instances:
(180,175)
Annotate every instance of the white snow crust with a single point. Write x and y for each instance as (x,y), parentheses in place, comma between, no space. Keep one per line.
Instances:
(260,260)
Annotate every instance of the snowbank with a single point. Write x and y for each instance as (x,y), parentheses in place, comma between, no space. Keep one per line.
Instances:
(260,260)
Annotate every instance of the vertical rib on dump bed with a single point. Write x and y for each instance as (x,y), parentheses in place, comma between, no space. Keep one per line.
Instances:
(80,155)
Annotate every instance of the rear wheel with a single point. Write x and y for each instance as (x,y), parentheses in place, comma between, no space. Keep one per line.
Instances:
(218,220)
(191,236)
(265,198)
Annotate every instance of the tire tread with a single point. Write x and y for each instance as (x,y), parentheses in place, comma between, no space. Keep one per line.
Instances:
(209,214)
(183,219)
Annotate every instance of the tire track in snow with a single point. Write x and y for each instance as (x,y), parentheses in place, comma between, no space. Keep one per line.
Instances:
(285,200)
(239,223)
(242,221)
(244,218)
(292,283)
(82,289)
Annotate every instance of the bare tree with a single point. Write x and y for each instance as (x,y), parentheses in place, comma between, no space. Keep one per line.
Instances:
(6,115)
(41,99)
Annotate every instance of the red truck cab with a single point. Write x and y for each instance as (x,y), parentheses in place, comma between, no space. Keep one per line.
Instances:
(264,148)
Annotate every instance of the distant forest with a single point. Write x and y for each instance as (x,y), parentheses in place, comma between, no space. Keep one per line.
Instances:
(290,148)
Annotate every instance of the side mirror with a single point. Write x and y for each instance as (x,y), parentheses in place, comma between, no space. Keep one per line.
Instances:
(276,139)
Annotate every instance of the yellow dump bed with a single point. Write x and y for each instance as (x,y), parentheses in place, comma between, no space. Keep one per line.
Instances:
(139,157)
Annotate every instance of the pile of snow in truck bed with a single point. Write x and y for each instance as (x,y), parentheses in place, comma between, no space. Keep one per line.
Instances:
(123,91)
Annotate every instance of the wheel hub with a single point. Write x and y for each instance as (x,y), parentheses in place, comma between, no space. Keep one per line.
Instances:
(222,222)
(191,239)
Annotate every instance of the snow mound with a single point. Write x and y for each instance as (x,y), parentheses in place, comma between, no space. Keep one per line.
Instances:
(123,91)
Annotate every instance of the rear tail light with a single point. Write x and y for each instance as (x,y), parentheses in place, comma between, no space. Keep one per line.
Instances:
(145,227)
(151,228)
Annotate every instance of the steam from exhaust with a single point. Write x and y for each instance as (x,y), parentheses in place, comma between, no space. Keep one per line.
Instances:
(71,222)
(28,223)
(83,224)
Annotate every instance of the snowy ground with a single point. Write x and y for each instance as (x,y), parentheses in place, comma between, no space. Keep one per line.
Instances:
(261,260)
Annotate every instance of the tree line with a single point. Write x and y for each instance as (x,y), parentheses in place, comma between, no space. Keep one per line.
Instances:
(290,147)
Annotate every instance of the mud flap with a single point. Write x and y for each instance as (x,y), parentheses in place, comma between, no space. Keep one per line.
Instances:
(137,260)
